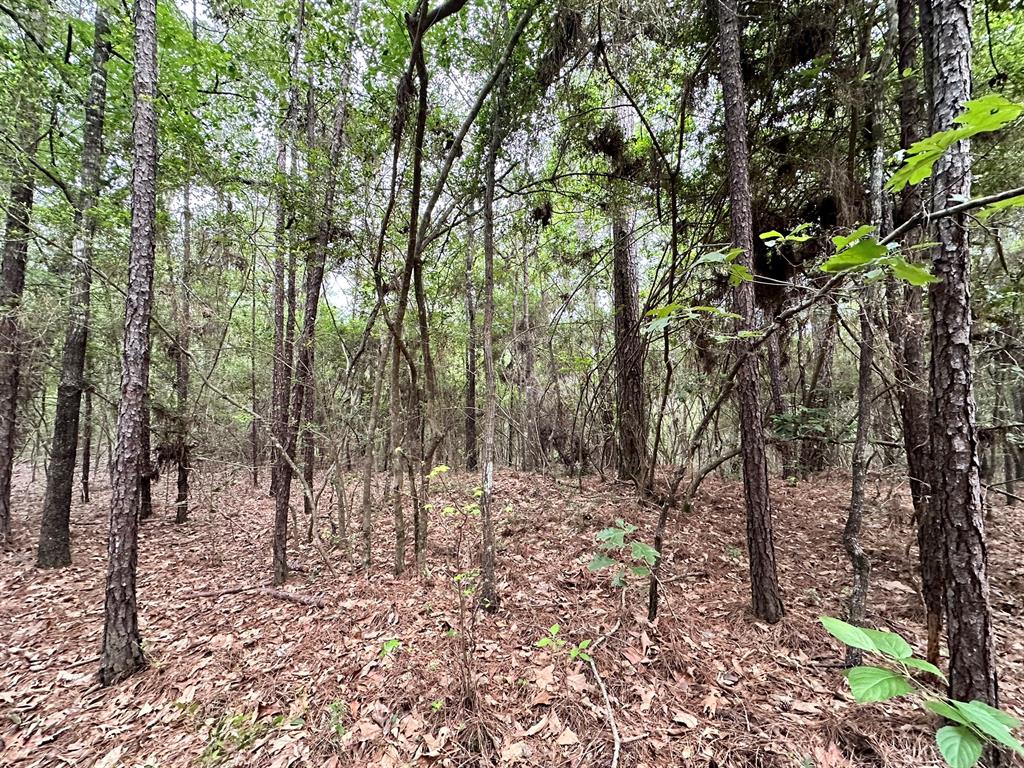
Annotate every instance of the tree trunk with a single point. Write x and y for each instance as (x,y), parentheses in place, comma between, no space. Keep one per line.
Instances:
(12,285)
(631,424)
(956,497)
(181,373)
(471,410)
(55,534)
(366,524)
(86,443)
(488,587)
(854,520)
(122,644)
(764,586)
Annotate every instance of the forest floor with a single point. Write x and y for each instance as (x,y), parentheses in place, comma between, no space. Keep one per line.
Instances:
(386,673)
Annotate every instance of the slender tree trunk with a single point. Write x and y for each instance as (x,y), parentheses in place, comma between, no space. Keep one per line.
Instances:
(471,351)
(366,524)
(279,370)
(122,644)
(488,588)
(55,534)
(854,520)
(86,443)
(956,498)
(146,466)
(764,585)
(181,358)
(12,285)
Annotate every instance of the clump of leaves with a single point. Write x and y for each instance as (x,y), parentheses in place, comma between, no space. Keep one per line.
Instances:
(619,549)
(552,641)
(976,724)
(390,646)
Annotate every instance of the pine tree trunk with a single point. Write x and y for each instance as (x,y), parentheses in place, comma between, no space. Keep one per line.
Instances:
(764,586)
(122,645)
(55,534)
(86,444)
(956,497)
(12,285)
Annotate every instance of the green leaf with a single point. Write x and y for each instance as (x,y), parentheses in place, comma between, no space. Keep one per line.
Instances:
(926,666)
(958,745)
(600,560)
(876,684)
(644,552)
(994,727)
(862,253)
(942,709)
(554,629)
(1003,717)
(641,571)
(911,273)
(855,637)
(889,643)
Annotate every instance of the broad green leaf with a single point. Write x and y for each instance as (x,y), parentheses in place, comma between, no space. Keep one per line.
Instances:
(644,552)
(841,241)
(773,234)
(993,727)
(600,560)
(926,666)
(876,684)
(942,709)
(958,745)
(855,637)
(858,255)
(1004,717)
(641,571)
(911,273)
(889,643)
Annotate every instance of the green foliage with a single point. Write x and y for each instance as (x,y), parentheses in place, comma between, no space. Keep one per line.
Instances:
(619,548)
(988,113)
(553,642)
(860,250)
(390,646)
(978,723)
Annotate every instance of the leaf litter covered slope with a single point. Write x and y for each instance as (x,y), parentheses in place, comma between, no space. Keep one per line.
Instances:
(387,674)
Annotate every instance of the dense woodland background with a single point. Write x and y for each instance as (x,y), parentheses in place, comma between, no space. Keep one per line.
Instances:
(504,382)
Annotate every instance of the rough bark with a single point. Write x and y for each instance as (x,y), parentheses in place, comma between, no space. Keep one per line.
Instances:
(764,586)
(631,424)
(957,496)
(12,284)
(55,535)
(122,645)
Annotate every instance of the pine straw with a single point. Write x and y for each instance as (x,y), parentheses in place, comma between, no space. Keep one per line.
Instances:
(247,679)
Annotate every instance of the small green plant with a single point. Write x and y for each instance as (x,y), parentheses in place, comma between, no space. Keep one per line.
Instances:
(628,555)
(552,641)
(975,723)
(437,705)
(336,713)
(390,646)
(228,735)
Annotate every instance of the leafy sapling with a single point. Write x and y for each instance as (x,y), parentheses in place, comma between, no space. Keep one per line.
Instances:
(973,724)
(628,555)
(552,641)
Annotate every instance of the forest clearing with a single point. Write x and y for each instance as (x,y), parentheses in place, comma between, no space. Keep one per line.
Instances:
(238,678)
(494,383)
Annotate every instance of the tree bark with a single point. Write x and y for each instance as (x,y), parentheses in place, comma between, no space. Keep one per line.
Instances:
(55,535)
(181,359)
(12,284)
(956,497)
(764,585)
(122,645)
(472,456)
